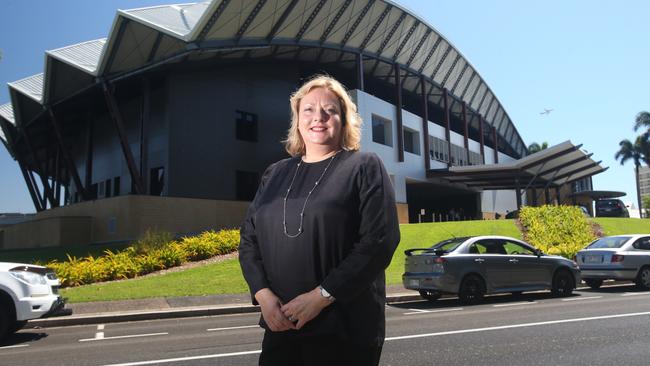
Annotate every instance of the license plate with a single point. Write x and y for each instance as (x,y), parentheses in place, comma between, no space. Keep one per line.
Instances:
(414,283)
(593,258)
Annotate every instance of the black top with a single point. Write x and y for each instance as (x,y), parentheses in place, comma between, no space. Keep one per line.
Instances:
(350,231)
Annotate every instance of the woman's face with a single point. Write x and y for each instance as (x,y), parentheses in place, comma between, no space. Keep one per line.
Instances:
(319,120)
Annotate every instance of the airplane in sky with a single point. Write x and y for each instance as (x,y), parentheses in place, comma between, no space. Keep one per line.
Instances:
(546,111)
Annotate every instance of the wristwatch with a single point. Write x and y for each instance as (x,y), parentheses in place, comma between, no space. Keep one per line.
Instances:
(326,294)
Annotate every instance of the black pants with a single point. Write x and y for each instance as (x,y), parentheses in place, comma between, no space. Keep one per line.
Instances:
(285,349)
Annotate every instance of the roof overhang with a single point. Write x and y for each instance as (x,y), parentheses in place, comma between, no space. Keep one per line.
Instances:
(552,167)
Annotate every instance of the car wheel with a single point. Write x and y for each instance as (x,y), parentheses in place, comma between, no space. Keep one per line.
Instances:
(472,289)
(594,284)
(18,325)
(430,295)
(5,321)
(563,283)
(643,278)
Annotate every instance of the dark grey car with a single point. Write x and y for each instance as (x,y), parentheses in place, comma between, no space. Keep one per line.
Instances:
(474,266)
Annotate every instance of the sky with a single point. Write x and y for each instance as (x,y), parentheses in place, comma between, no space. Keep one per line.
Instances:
(587,60)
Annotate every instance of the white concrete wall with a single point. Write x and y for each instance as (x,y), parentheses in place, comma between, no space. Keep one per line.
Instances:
(413,166)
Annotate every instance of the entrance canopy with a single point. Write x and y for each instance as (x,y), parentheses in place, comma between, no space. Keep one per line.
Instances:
(548,168)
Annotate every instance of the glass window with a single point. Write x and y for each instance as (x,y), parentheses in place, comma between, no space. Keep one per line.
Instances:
(246,126)
(157,181)
(513,248)
(382,131)
(116,186)
(643,243)
(609,242)
(490,246)
(411,141)
(449,245)
(439,149)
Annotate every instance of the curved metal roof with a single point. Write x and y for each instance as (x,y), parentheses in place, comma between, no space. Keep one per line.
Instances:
(380,30)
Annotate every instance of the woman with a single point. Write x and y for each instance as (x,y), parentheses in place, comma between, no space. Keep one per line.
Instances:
(317,238)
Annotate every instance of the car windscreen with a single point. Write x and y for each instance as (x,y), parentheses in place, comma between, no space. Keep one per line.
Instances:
(607,203)
(449,245)
(609,242)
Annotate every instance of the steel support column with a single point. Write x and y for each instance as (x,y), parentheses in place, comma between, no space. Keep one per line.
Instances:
(482,137)
(558,194)
(47,192)
(425,123)
(31,187)
(144,133)
(445,99)
(69,162)
(518,192)
(496,145)
(465,131)
(398,113)
(113,111)
(90,139)
(359,68)
(547,195)
(57,177)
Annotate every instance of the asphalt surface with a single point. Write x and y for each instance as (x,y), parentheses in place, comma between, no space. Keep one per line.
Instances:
(593,327)
(174,307)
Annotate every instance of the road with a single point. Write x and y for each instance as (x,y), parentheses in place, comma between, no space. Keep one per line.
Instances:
(593,327)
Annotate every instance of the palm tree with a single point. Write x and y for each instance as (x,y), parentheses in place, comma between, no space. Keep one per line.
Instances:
(638,152)
(535,147)
(642,120)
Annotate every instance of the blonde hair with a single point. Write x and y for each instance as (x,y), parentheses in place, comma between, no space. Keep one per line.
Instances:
(350,120)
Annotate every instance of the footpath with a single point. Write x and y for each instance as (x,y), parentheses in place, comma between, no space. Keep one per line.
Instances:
(174,307)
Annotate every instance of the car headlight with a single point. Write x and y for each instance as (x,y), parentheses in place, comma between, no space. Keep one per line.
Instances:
(29,277)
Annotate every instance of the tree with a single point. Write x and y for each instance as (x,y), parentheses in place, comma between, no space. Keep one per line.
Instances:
(638,152)
(535,147)
(646,205)
(642,120)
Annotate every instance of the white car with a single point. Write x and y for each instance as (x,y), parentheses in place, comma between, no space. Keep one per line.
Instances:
(27,292)
(620,257)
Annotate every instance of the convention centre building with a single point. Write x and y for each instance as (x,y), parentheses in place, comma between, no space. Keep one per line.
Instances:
(168,123)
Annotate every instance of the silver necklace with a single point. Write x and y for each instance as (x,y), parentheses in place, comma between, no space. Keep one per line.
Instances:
(302,212)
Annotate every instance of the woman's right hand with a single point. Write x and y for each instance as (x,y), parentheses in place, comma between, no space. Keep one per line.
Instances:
(271,312)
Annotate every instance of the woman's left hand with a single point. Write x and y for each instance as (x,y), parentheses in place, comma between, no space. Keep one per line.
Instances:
(305,307)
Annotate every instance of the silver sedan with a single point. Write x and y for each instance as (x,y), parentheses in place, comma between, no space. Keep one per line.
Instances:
(474,266)
(621,257)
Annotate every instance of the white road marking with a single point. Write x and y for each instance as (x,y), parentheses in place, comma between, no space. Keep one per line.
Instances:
(582,298)
(515,304)
(15,346)
(635,293)
(523,325)
(183,359)
(99,335)
(230,328)
(123,337)
(419,311)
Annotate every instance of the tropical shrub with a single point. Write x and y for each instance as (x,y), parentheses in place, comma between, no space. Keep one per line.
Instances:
(560,230)
(155,251)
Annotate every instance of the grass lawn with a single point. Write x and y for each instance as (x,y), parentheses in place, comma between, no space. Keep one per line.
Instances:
(212,279)
(616,226)
(226,277)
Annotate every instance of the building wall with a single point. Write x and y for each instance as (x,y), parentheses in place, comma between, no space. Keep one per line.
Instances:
(412,169)
(122,219)
(204,153)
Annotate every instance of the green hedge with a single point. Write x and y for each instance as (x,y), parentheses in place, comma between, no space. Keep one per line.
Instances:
(560,230)
(154,252)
